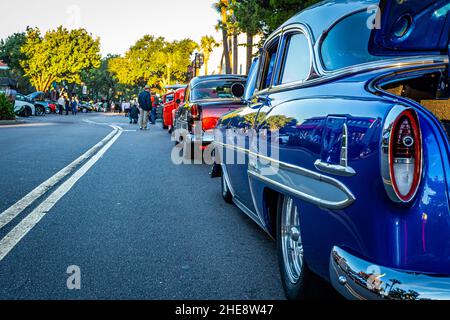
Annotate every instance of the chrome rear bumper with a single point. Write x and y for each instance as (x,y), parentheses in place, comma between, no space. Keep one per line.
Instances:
(357,279)
(205,138)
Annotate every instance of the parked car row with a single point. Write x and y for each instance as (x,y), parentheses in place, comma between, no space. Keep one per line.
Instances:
(356,190)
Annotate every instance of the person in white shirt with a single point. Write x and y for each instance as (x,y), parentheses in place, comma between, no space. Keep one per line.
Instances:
(61,104)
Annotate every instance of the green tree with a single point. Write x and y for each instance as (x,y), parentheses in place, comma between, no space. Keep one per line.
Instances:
(60,55)
(154,61)
(222,7)
(248,18)
(207,45)
(276,12)
(100,81)
(173,62)
(138,66)
(11,54)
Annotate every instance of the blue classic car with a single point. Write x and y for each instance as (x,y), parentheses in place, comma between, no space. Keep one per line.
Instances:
(344,149)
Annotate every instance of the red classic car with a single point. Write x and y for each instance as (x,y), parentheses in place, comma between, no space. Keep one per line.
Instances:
(172,101)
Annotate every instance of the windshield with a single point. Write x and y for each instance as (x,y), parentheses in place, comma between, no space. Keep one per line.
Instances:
(214,90)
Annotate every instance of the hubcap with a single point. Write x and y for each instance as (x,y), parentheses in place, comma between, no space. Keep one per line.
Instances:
(292,245)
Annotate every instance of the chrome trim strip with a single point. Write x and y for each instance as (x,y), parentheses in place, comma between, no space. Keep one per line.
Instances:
(334,169)
(306,197)
(395,63)
(342,169)
(205,138)
(303,172)
(227,179)
(357,279)
(249,213)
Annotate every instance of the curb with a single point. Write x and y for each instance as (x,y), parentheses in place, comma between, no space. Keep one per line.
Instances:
(11,122)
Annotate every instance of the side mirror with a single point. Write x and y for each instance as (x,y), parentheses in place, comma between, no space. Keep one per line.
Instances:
(178,101)
(238,90)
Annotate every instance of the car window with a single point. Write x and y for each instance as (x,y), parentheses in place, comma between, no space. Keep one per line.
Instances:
(297,62)
(169,98)
(270,66)
(213,90)
(251,80)
(347,43)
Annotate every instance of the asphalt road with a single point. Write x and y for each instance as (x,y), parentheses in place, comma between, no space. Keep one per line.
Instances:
(136,225)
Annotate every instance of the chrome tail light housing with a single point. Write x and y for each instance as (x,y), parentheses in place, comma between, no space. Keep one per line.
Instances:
(402,155)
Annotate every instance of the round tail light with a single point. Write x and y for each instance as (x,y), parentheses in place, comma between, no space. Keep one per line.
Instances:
(403,150)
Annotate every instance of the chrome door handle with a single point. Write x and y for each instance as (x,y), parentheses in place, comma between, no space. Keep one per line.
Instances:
(334,169)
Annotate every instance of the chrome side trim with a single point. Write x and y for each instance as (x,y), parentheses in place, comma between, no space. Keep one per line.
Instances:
(342,169)
(227,179)
(249,213)
(357,279)
(333,205)
(334,169)
(303,172)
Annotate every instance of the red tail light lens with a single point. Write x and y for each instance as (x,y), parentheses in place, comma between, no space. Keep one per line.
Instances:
(405,155)
(195,112)
(209,123)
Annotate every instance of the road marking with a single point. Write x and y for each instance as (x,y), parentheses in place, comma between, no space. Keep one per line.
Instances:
(30,221)
(9,214)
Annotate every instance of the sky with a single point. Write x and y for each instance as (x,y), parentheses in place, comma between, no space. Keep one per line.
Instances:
(119,24)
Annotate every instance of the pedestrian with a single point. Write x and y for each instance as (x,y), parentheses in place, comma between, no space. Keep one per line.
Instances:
(127,108)
(113,107)
(67,104)
(145,106)
(74,106)
(61,104)
(154,108)
(134,114)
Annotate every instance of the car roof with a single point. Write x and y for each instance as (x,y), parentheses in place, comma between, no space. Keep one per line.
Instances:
(199,79)
(321,16)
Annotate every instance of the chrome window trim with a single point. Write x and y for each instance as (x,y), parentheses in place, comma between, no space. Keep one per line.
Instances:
(394,63)
(287,32)
(301,171)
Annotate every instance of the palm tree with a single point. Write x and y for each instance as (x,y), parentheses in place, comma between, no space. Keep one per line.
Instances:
(207,45)
(247,14)
(222,8)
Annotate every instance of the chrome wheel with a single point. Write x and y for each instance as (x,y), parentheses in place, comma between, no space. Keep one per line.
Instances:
(291,241)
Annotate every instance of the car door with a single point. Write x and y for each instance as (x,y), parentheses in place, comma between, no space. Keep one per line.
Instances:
(277,127)
(236,160)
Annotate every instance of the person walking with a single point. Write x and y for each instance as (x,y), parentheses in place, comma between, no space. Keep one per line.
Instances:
(61,104)
(145,106)
(154,109)
(67,102)
(74,106)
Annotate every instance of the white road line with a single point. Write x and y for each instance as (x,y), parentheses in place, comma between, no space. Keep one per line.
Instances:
(9,214)
(22,228)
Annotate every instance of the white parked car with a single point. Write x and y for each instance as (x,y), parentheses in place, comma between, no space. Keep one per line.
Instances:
(25,108)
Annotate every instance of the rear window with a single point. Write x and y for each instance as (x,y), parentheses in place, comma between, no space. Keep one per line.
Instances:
(347,43)
(213,90)
(169,98)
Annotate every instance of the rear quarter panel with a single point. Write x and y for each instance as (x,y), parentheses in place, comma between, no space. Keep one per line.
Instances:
(413,237)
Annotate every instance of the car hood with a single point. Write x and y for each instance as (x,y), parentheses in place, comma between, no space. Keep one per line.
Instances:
(412,27)
(35,95)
